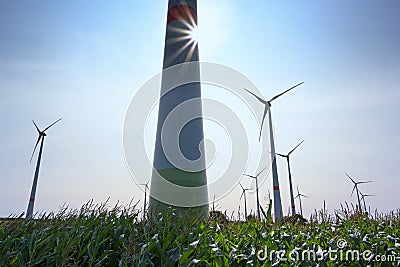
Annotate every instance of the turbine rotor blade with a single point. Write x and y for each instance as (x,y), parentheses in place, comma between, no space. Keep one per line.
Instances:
(295,148)
(256,96)
(281,155)
(241,186)
(364,182)
(251,176)
(37,142)
(260,172)
(52,124)
(37,128)
(291,88)
(350,178)
(262,121)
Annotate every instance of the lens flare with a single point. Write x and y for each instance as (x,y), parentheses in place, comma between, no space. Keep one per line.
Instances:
(194,34)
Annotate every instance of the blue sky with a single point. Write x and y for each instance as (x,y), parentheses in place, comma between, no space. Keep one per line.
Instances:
(84,60)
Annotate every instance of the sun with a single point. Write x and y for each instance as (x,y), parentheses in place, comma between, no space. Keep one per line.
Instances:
(194,33)
(209,34)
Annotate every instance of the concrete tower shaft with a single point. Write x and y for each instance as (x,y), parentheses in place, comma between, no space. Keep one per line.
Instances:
(179,155)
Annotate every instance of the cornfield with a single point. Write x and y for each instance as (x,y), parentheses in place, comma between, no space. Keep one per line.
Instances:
(97,235)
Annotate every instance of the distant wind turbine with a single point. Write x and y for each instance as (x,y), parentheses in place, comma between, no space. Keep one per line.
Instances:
(42,134)
(363,196)
(275,181)
(245,202)
(290,177)
(146,186)
(258,198)
(356,188)
(299,195)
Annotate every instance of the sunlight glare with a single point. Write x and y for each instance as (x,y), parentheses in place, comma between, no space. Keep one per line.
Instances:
(194,34)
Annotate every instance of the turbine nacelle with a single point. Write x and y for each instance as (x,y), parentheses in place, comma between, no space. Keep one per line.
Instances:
(291,151)
(300,194)
(256,176)
(42,134)
(355,187)
(366,195)
(244,190)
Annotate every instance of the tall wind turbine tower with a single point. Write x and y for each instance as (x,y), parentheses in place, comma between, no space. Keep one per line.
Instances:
(275,181)
(290,177)
(180,47)
(42,135)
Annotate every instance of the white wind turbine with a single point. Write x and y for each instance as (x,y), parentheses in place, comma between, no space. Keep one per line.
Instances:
(275,181)
(245,202)
(258,197)
(299,195)
(42,134)
(290,177)
(363,196)
(146,186)
(356,188)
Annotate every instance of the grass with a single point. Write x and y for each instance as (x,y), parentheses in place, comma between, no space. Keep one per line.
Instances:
(96,235)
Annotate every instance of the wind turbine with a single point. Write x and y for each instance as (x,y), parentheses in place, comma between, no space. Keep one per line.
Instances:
(244,195)
(299,195)
(275,181)
(146,186)
(356,188)
(42,135)
(363,199)
(258,198)
(290,176)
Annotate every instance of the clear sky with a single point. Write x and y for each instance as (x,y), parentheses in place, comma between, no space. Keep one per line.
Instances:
(84,60)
